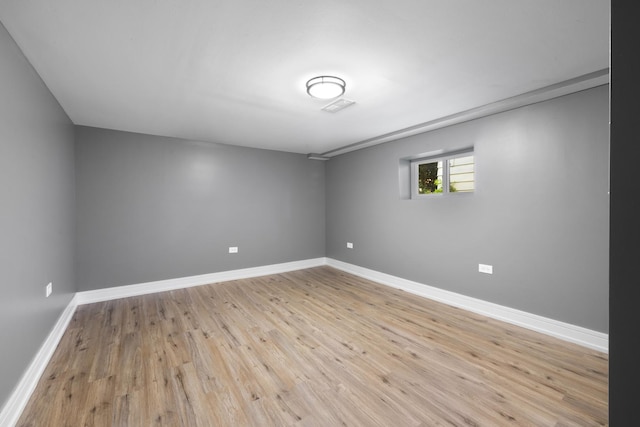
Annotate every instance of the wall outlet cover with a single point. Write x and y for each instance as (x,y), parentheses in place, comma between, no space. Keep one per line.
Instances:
(485,268)
(349,245)
(233,249)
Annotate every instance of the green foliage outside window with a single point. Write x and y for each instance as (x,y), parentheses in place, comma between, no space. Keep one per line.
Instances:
(429,182)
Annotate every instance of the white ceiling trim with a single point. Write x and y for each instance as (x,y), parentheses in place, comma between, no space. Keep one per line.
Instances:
(584,82)
(235,72)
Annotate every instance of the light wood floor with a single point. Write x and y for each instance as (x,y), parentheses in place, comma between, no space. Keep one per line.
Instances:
(316,347)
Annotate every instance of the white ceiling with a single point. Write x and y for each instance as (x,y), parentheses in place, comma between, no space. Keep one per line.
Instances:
(234,72)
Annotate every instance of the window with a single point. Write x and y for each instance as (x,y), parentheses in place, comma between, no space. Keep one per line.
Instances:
(443,174)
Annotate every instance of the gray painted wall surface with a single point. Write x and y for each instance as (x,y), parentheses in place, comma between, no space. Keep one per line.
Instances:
(36,212)
(539,214)
(152,208)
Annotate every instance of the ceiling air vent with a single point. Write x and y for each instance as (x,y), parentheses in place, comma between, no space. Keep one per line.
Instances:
(337,105)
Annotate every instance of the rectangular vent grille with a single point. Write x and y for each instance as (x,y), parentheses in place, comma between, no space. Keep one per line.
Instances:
(337,105)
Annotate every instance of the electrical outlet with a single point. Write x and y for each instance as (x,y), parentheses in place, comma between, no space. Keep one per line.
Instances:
(49,288)
(349,245)
(233,249)
(485,268)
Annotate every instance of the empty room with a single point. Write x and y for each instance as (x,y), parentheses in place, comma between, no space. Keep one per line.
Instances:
(284,213)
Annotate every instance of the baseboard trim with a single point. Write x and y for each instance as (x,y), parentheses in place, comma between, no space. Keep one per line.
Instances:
(572,333)
(11,411)
(22,393)
(88,297)
(16,403)
(576,334)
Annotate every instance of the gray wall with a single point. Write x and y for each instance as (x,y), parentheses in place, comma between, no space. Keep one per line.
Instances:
(152,208)
(539,214)
(36,212)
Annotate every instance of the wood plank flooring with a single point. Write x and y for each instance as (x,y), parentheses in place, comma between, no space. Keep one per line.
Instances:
(315,347)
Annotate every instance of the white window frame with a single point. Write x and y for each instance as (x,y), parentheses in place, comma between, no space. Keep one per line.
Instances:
(444,158)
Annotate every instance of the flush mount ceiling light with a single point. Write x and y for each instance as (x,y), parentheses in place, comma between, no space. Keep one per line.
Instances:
(325,87)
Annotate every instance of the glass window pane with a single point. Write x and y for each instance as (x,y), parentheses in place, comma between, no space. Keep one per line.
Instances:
(461,174)
(430,178)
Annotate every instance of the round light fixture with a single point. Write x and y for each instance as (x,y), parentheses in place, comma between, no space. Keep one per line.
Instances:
(325,87)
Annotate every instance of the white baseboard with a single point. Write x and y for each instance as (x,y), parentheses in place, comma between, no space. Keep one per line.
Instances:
(565,331)
(87,297)
(20,397)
